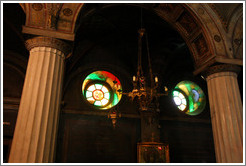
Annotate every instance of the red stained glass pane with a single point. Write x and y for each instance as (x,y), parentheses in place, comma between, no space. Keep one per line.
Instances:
(98,95)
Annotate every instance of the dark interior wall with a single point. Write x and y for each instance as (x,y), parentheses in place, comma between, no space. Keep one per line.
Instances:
(189,142)
(107,40)
(92,139)
(12,81)
(85,134)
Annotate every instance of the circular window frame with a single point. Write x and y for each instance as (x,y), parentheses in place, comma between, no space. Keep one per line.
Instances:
(104,84)
(186,98)
(196,107)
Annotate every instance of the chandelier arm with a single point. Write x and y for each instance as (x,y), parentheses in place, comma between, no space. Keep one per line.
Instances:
(149,60)
(140,70)
(141,18)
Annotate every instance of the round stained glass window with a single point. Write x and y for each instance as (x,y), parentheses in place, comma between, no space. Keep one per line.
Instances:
(189,97)
(97,94)
(180,100)
(100,89)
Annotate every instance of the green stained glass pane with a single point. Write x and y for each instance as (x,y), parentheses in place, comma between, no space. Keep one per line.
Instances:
(106,95)
(95,76)
(91,88)
(98,103)
(98,86)
(88,94)
(116,100)
(188,86)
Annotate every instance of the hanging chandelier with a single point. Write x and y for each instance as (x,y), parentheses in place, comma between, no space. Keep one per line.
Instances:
(146,91)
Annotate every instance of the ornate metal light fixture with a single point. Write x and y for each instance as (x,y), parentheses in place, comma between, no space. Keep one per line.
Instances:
(147,95)
(114,114)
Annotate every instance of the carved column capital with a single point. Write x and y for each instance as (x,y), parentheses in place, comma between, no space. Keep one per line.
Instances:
(42,41)
(221,68)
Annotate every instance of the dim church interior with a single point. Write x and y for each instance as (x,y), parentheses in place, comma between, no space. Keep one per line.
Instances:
(106,39)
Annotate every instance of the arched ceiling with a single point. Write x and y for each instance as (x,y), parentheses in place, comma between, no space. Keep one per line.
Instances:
(107,38)
(225,11)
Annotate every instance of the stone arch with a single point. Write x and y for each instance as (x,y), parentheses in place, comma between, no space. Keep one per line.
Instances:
(235,32)
(199,25)
(204,34)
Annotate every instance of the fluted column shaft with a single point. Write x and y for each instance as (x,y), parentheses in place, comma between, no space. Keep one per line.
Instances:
(226,116)
(36,126)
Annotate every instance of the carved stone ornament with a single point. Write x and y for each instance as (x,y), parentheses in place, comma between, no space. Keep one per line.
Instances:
(201,45)
(67,12)
(167,7)
(200,11)
(37,6)
(53,15)
(48,42)
(221,68)
(222,19)
(238,41)
(217,38)
(187,22)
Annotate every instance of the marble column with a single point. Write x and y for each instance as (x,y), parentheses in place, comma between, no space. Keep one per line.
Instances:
(37,122)
(226,113)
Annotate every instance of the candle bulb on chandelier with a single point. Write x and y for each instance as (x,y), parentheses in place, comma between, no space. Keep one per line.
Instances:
(165,89)
(156,79)
(134,78)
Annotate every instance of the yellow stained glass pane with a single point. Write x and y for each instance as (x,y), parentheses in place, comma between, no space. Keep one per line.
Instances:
(91,100)
(184,88)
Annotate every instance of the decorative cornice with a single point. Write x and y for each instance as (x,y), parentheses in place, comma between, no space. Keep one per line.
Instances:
(48,42)
(221,68)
